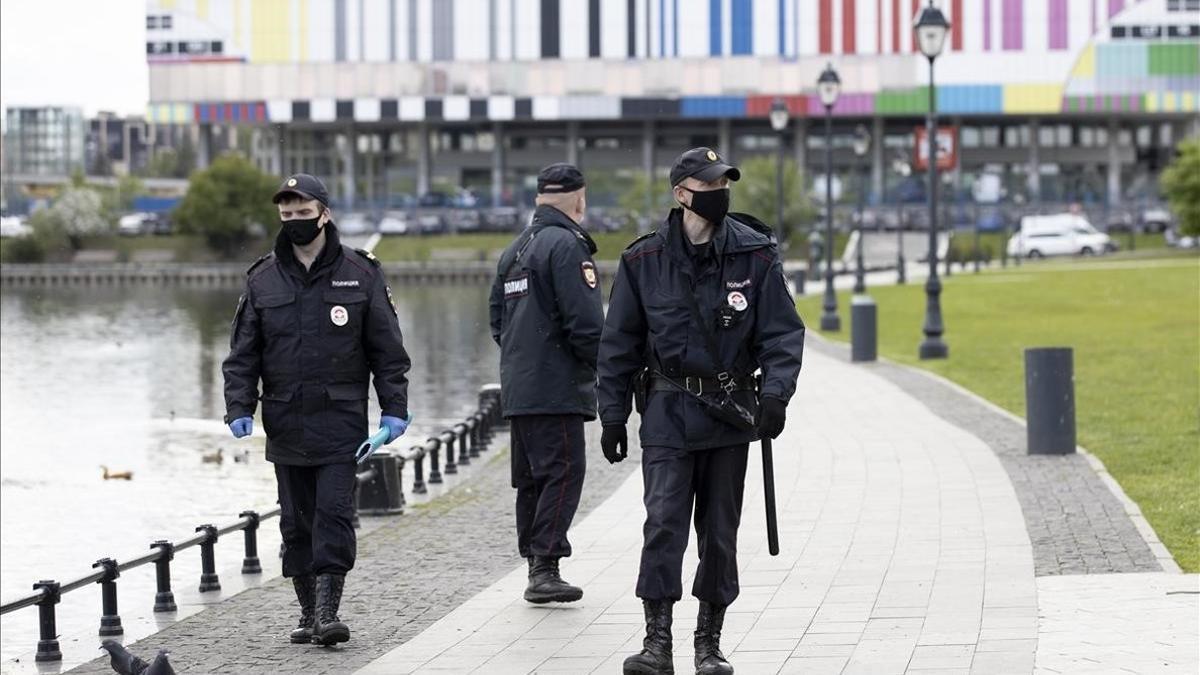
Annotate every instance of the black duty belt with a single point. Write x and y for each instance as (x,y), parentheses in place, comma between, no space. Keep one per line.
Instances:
(700,385)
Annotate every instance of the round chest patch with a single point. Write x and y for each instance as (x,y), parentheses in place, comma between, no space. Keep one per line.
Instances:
(738,301)
(340,317)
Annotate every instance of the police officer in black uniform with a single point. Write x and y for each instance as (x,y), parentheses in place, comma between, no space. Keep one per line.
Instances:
(696,308)
(546,315)
(315,322)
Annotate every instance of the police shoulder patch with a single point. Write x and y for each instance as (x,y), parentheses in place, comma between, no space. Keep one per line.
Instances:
(368,255)
(258,262)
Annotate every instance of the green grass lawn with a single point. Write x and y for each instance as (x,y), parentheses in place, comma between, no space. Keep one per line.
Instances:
(1135,327)
(481,246)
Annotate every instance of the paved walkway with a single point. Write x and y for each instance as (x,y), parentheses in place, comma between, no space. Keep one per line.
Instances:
(904,549)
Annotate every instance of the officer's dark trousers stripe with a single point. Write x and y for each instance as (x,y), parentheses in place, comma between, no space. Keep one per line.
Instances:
(548,468)
(674,479)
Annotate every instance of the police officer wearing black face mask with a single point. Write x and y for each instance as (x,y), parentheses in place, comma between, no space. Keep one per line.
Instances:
(314,323)
(696,308)
(546,316)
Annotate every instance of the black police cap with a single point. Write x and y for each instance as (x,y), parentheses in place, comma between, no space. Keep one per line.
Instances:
(303,186)
(702,164)
(560,178)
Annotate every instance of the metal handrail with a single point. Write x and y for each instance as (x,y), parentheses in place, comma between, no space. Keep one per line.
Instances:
(475,430)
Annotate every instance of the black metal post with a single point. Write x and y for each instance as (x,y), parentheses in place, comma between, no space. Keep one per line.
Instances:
(451,466)
(435,474)
(1004,245)
(932,347)
(977,252)
(829,317)
(47,647)
(901,277)
(250,563)
(164,599)
(418,487)
(860,281)
(110,619)
(208,564)
(458,436)
(779,229)
(473,435)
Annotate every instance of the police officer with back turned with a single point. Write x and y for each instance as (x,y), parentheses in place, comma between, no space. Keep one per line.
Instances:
(546,316)
(314,323)
(696,308)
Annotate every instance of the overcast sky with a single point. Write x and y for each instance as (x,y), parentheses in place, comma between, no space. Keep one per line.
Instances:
(88,53)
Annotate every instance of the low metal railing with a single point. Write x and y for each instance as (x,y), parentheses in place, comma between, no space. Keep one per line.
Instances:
(469,437)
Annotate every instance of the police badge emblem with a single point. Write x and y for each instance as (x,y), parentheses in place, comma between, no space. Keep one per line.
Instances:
(589,273)
(391,300)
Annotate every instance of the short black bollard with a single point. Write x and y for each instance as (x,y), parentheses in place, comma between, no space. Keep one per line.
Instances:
(251,563)
(382,493)
(475,445)
(863,329)
(451,466)
(458,435)
(208,563)
(110,620)
(435,474)
(1050,400)
(418,487)
(800,278)
(164,599)
(47,648)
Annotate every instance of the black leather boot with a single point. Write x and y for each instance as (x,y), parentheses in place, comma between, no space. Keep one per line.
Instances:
(655,656)
(709,659)
(306,594)
(545,584)
(329,629)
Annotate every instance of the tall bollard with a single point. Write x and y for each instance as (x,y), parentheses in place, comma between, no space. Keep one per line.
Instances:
(47,647)
(800,278)
(863,329)
(382,493)
(1050,400)
(208,563)
(435,474)
(164,599)
(458,434)
(110,620)
(418,487)
(250,563)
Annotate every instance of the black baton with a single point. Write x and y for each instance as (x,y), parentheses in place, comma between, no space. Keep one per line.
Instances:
(768,462)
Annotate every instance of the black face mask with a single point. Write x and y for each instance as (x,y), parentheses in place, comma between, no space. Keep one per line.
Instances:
(302,232)
(711,205)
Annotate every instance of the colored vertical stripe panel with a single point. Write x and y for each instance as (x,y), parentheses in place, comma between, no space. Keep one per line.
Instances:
(987,25)
(1115,7)
(878,26)
(912,22)
(550,29)
(742,16)
(630,28)
(849,27)
(443,30)
(1093,16)
(1012,28)
(391,31)
(825,20)
(412,30)
(957,25)
(714,27)
(339,30)
(493,29)
(782,27)
(675,27)
(302,28)
(662,28)
(1058,24)
(895,26)
(593,28)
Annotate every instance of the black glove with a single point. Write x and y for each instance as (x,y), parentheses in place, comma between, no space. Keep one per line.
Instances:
(771,414)
(614,442)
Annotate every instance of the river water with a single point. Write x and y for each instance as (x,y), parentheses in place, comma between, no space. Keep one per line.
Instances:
(130,378)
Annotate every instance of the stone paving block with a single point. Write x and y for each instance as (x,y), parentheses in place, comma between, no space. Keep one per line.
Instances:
(820,665)
(942,656)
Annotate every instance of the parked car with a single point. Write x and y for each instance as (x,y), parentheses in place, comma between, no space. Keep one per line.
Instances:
(1060,234)
(394,222)
(136,224)
(1156,220)
(355,223)
(14,226)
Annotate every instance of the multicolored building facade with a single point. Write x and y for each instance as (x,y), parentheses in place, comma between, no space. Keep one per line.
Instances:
(1067,100)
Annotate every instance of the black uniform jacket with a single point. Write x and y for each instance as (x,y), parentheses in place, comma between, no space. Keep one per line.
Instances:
(546,315)
(650,325)
(314,338)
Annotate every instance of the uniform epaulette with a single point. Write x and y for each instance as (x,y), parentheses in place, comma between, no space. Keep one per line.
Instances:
(368,255)
(641,239)
(259,262)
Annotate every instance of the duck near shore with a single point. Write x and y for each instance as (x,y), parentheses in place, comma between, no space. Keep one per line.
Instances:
(116,475)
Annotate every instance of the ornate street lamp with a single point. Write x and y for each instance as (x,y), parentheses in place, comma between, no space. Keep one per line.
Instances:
(862,143)
(779,121)
(829,86)
(931,29)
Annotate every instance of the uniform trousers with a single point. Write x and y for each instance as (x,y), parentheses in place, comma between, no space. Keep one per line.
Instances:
(317,518)
(674,479)
(548,466)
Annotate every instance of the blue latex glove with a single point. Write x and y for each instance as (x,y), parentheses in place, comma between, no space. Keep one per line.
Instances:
(242,427)
(395,426)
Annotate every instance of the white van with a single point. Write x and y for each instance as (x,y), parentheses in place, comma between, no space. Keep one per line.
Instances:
(1059,234)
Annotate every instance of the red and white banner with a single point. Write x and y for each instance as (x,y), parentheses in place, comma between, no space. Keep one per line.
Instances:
(947,148)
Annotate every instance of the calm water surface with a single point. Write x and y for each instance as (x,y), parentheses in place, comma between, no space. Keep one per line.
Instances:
(130,377)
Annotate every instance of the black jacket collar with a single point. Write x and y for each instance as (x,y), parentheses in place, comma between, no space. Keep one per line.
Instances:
(548,215)
(330,254)
(677,243)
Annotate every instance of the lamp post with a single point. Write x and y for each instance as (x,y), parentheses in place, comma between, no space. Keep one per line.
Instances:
(931,28)
(829,85)
(779,122)
(862,143)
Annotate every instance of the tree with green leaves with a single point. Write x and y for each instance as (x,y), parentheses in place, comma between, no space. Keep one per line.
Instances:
(224,200)
(756,194)
(1181,183)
